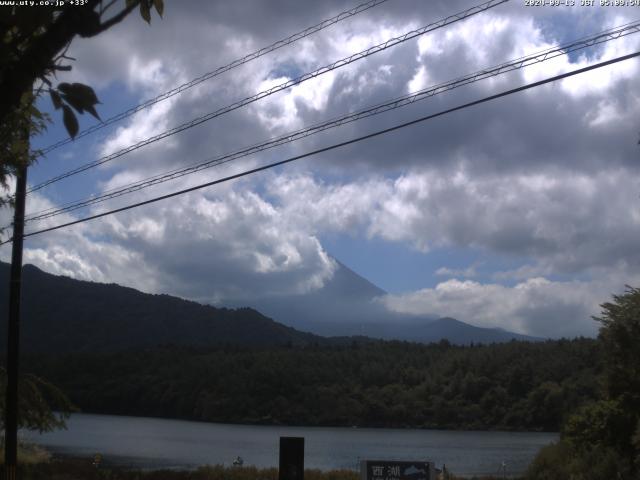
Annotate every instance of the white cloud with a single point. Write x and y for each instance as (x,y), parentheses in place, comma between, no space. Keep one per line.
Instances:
(572,222)
(536,306)
(419,81)
(280,113)
(207,246)
(468,272)
(548,178)
(321,207)
(564,222)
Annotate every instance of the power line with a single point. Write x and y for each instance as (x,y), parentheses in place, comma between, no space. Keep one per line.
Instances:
(602,37)
(220,70)
(290,83)
(336,145)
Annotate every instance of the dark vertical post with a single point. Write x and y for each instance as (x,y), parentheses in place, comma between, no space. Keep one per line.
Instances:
(291,458)
(13,336)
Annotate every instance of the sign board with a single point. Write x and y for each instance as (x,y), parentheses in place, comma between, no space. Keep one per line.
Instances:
(291,458)
(396,470)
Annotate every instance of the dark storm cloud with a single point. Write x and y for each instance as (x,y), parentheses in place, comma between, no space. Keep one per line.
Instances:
(546,175)
(491,137)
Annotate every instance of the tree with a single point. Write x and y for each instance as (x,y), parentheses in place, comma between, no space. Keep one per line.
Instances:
(602,439)
(620,338)
(33,45)
(43,406)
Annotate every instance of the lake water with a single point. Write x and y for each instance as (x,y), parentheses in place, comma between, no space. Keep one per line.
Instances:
(159,443)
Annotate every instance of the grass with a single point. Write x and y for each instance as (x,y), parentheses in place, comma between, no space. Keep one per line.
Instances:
(76,469)
(28,453)
(82,469)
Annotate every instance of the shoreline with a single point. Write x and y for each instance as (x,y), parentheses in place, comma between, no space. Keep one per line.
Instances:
(144,443)
(355,427)
(77,467)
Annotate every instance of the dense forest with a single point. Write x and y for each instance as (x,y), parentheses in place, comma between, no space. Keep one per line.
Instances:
(515,386)
(601,439)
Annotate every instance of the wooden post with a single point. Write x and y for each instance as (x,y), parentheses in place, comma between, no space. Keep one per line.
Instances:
(13,335)
(291,458)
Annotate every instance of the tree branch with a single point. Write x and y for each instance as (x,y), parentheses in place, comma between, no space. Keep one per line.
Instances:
(113,20)
(106,7)
(36,58)
(63,68)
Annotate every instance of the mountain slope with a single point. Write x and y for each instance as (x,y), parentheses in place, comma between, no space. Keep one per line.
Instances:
(343,306)
(463,333)
(347,305)
(62,314)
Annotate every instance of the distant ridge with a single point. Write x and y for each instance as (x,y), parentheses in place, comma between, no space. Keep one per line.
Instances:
(348,305)
(61,314)
(463,333)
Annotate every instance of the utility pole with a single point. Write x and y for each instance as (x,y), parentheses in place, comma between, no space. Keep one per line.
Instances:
(13,336)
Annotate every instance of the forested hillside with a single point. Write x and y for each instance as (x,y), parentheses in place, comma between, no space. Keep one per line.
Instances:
(60,314)
(517,385)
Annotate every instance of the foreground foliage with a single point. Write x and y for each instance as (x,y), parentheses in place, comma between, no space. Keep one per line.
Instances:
(513,386)
(82,469)
(601,440)
(28,453)
(42,406)
(34,40)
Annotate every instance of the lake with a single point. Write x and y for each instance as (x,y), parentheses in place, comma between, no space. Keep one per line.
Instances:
(160,443)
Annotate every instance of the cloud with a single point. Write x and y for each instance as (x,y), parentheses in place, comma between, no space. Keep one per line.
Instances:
(536,306)
(328,207)
(566,222)
(232,242)
(468,272)
(159,57)
(206,246)
(546,178)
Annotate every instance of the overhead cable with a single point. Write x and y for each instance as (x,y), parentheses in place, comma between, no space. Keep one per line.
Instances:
(611,34)
(283,86)
(220,70)
(334,146)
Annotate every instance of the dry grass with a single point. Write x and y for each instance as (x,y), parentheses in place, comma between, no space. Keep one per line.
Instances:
(28,453)
(82,469)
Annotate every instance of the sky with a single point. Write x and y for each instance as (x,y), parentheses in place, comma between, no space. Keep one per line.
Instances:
(522,213)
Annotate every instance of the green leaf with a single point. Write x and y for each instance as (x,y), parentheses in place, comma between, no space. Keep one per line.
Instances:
(90,25)
(93,112)
(64,87)
(55,99)
(18,147)
(67,94)
(86,93)
(159,4)
(81,97)
(82,92)
(145,10)
(35,112)
(74,102)
(131,3)
(70,121)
